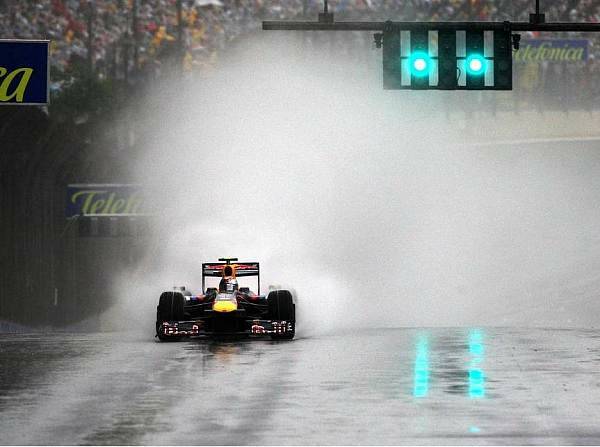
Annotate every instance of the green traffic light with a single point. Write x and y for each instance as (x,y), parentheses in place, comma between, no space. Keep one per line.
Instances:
(419,64)
(476,64)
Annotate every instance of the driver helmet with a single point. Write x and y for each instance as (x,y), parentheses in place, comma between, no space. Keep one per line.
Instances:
(231,285)
(228,283)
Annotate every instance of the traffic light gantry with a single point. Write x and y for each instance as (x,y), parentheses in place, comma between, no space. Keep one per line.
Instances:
(442,55)
(441,59)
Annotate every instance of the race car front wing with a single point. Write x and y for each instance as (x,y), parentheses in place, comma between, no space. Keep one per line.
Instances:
(197,328)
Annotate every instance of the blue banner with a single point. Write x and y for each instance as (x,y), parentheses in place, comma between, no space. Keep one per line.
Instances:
(24,72)
(103,200)
(552,50)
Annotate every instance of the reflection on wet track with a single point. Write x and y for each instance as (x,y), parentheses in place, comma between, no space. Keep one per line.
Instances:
(476,375)
(422,368)
(405,386)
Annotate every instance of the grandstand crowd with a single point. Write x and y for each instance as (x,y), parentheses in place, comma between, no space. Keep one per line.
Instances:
(139,33)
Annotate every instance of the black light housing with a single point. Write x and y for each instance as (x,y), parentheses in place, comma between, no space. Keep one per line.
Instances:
(426,59)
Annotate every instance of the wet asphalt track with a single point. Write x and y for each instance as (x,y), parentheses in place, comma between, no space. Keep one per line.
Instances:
(405,386)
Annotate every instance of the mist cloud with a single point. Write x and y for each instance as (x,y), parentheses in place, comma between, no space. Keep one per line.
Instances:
(370,204)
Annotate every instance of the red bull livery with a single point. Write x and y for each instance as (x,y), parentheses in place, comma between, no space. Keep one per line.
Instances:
(227,309)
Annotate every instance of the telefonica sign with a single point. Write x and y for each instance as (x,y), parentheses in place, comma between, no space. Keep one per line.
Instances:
(552,50)
(24,72)
(103,200)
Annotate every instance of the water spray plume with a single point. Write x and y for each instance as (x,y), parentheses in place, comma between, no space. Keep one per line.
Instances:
(366,202)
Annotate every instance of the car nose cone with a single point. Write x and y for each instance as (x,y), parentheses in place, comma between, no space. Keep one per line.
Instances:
(224,306)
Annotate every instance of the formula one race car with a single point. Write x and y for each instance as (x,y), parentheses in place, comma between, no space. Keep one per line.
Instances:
(228,309)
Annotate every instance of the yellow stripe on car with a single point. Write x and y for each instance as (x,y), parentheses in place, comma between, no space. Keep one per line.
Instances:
(224,306)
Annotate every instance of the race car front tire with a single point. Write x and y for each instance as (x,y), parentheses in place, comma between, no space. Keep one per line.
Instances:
(282,308)
(170,308)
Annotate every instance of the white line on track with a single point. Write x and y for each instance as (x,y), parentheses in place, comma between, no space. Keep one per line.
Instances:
(536,141)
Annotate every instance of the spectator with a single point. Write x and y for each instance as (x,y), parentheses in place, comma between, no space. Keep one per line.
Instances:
(208,25)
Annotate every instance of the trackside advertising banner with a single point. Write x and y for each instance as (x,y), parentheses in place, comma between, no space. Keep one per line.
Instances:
(104,200)
(552,50)
(24,72)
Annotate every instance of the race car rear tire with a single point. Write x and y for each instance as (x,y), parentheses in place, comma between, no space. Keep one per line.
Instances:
(281,307)
(170,308)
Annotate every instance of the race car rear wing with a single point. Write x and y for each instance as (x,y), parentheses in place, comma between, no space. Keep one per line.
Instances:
(215,270)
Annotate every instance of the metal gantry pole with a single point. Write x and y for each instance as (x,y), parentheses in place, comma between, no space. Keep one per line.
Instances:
(453,26)
(326,22)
